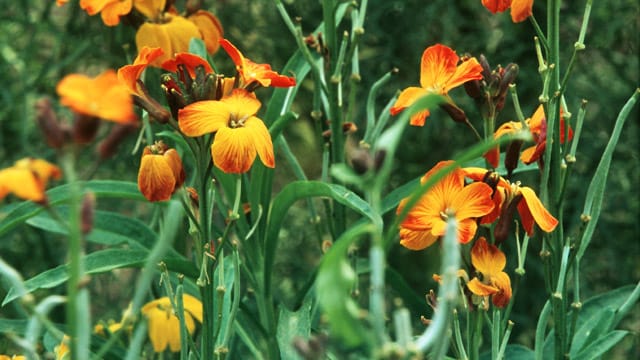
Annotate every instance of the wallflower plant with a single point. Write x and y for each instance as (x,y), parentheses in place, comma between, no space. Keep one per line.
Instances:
(201,228)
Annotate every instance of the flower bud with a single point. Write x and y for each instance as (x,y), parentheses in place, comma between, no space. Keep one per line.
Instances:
(108,146)
(87,211)
(454,112)
(511,156)
(55,134)
(85,128)
(501,231)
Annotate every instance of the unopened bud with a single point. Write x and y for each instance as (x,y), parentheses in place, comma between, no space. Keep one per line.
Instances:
(85,128)
(512,155)
(154,108)
(486,68)
(503,227)
(473,89)
(361,160)
(54,133)
(454,112)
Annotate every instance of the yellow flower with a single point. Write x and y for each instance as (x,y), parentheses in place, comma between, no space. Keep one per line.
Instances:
(62,351)
(439,73)
(14,357)
(426,221)
(489,262)
(164,325)
(240,135)
(160,173)
(27,179)
(173,32)
(103,96)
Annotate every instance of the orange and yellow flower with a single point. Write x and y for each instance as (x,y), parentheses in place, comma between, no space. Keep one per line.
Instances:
(491,280)
(529,206)
(251,72)
(160,173)
(164,325)
(28,178)
(439,73)
(110,10)
(240,135)
(14,357)
(537,125)
(130,74)
(426,221)
(173,32)
(102,97)
(520,9)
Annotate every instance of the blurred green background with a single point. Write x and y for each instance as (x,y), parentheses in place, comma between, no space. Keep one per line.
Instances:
(40,43)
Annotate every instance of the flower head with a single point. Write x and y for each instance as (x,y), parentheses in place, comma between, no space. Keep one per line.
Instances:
(512,196)
(251,72)
(110,10)
(489,262)
(160,173)
(439,73)
(537,125)
(426,221)
(27,179)
(102,97)
(240,135)
(520,9)
(164,325)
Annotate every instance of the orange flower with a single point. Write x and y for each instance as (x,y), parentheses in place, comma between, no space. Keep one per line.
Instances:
(130,74)
(61,2)
(489,262)
(27,179)
(190,61)
(251,72)
(240,135)
(426,221)
(526,201)
(110,10)
(103,96)
(160,173)
(538,127)
(439,73)
(172,32)
(520,9)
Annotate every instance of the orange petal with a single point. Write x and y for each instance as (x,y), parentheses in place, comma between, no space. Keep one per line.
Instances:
(233,53)
(533,153)
(473,201)
(233,150)
(521,10)
(210,29)
(496,5)
(501,281)
(156,179)
(22,183)
(129,74)
(416,240)
(530,207)
(112,12)
(507,128)
(467,71)
(536,121)
(191,62)
(487,258)
(467,230)
(203,117)
(193,306)
(437,65)
(493,157)
(406,98)
(480,289)
(262,140)
(175,163)
(242,103)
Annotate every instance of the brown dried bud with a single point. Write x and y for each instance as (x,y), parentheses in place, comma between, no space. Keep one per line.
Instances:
(501,231)
(511,156)
(361,160)
(55,134)
(486,68)
(87,211)
(109,145)
(473,89)
(378,159)
(85,128)
(154,108)
(455,112)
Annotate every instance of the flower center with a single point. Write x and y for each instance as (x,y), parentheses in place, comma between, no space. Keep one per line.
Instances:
(236,121)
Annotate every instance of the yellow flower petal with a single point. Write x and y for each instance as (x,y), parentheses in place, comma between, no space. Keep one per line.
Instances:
(203,117)
(531,209)
(233,150)
(156,179)
(151,9)
(487,258)
(210,29)
(480,289)
(416,240)
(262,141)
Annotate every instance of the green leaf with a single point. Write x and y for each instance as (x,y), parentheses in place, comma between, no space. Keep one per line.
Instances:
(10,326)
(60,194)
(229,277)
(592,329)
(100,262)
(292,325)
(596,190)
(333,287)
(198,47)
(299,190)
(598,347)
